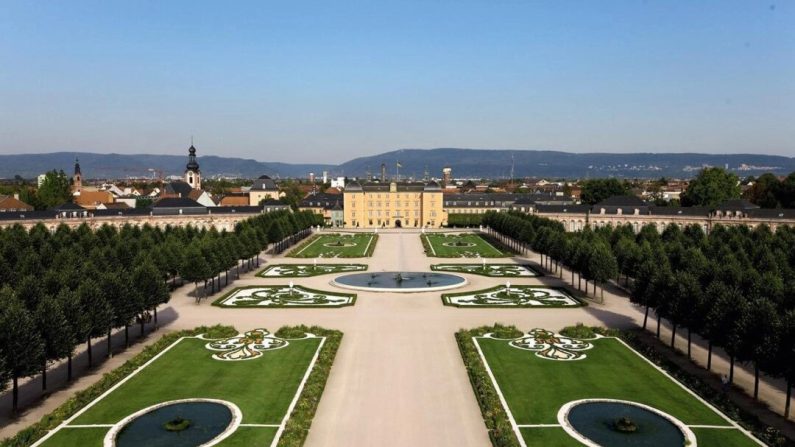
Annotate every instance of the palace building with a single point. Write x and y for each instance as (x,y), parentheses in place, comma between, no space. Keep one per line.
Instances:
(405,204)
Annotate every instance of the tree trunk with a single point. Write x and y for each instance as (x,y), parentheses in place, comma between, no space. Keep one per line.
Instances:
(15,399)
(110,349)
(155,311)
(602,293)
(756,381)
(142,325)
(689,342)
(731,369)
(44,376)
(572,275)
(90,356)
(69,367)
(658,325)
(789,397)
(126,336)
(646,317)
(709,355)
(673,335)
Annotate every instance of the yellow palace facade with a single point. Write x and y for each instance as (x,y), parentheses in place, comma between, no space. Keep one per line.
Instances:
(401,205)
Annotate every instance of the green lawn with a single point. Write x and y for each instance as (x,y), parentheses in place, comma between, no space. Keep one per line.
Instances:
(352,245)
(307,270)
(467,245)
(535,388)
(262,388)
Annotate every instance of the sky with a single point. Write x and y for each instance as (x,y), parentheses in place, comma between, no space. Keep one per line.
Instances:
(327,81)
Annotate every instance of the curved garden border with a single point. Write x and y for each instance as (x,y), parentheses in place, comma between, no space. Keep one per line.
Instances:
(563,420)
(237,418)
(440,268)
(446,299)
(219,302)
(310,272)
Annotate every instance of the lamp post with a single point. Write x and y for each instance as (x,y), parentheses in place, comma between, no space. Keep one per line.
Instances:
(291,288)
(508,288)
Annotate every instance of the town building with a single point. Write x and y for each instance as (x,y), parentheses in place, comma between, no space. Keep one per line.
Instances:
(630,210)
(330,206)
(264,188)
(10,204)
(405,204)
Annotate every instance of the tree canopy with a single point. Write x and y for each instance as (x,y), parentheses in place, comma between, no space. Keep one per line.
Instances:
(711,187)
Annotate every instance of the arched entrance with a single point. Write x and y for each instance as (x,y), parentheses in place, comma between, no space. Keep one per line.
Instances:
(398,224)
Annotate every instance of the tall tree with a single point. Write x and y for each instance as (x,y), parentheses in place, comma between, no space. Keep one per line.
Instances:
(711,187)
(55,332)
(54,190)
(20,341)
(596,190)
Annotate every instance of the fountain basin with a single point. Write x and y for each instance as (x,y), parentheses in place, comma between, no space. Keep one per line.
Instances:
(402,282)
(210,421)
(594,422)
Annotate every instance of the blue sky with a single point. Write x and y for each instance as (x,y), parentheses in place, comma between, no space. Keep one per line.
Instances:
(329,81)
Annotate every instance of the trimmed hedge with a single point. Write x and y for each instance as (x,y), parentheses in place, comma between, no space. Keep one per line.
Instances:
(497,423)
(499,427)
(464,220)
(580,301)
(261,273)
(297,428)
(767,434)
(33,433)
(219,301)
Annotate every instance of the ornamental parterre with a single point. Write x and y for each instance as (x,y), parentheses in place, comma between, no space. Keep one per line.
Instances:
(513,296)
(492,270)
(307,270)
(283,296)
(245,346)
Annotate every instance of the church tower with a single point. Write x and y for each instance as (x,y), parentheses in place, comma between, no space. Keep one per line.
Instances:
(77,179)
(193,175)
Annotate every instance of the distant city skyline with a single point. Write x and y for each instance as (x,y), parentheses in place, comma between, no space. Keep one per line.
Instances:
(324,83)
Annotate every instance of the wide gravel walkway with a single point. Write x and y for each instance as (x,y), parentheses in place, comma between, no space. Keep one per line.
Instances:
(398,378)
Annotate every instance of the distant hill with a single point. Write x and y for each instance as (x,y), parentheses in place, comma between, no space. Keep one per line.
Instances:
(122,165)
(493,163)
(466,163)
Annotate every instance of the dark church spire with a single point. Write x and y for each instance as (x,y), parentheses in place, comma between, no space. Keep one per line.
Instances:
(77,167)
(192,165)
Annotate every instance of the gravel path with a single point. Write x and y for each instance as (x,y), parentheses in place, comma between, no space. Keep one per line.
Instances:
(398,378)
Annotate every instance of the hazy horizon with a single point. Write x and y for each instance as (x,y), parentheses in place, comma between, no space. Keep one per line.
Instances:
(325,83)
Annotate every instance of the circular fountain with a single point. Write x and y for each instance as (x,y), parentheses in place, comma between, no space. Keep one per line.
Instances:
(179,423)
(404,282)
(609,422)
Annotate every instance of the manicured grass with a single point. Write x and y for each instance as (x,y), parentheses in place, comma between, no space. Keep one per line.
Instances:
(278,296)
(307,270)
(491,270)
(351,245)
(535,388)
(521,296)
(263,388)
(470,246)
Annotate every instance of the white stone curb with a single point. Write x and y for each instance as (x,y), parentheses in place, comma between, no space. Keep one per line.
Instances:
(237,417)
(563,420)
